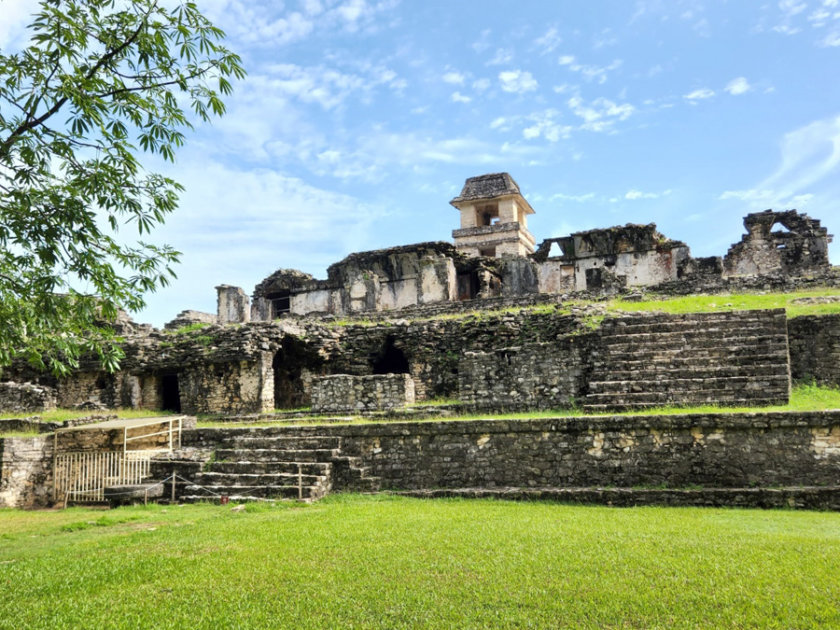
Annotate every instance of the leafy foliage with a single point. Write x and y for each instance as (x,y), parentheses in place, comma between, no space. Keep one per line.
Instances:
(100,82)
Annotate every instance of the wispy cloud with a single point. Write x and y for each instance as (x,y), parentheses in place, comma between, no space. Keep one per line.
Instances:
(810,161)
(699,94)
(601,114)
(549,41)
(594,73)
(457,97)
(517,81)
(455,78)
(633,194)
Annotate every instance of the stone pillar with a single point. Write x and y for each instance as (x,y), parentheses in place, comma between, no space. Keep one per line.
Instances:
(233,305)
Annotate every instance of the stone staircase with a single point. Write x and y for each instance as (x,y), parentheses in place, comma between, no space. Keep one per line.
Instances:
(737,358)
(265,467)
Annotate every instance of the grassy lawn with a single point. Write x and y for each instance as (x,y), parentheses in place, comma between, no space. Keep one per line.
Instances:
(734,302)
(388,562)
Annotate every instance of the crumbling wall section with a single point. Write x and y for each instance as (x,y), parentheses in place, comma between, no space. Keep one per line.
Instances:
(799,247)
(344,393)
(815,348)
(26,471)
(26,397)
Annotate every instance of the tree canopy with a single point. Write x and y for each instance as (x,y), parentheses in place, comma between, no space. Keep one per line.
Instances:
(99,83)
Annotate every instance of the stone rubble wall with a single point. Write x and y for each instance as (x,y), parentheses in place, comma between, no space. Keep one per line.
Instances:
(815,348)
(26,397)
(344,393)
(26,471)
(537,376)
(709,450)
(231,388)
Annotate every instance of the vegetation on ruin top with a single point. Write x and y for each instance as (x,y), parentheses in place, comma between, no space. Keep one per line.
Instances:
(393,562)
(804,397)
(811,302)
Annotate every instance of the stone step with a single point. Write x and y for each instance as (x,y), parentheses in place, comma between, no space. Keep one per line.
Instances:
(709,343)
(275,454)
(285,442)
(307,468)
(647,371)
(256,479)
(768,315)
(728,353)
(729,398)
(704,336)
(682,385)
(681,359)
(238,492)
(612,327)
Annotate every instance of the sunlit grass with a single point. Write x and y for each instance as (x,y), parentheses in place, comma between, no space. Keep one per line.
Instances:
(734,302)
(390,562)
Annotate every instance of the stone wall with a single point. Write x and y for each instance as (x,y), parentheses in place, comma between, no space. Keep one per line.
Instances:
(344,393)
(26,397)
(537,376)
(230,388)
(709,450)
(815,348)
(26,471)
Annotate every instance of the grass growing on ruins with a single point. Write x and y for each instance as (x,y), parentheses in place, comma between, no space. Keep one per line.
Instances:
(804,397)
(738,301)
(60,415)
(392,562)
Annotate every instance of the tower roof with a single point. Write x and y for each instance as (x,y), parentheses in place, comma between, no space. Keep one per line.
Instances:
(487,186)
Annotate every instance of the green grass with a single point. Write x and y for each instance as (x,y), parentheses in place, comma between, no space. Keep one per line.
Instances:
(733,302)
(804,397)
(388,562)
(60,415)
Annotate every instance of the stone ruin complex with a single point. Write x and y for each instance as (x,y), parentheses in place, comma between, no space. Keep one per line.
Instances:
(485,323)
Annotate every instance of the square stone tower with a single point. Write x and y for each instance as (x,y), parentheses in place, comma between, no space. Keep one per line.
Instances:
(493,220)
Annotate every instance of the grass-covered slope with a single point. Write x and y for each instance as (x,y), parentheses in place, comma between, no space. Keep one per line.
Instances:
(385,562)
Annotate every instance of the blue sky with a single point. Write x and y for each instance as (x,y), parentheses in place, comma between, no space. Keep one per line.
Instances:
(360,119)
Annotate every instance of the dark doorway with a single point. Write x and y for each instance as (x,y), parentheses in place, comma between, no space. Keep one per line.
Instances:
(170,395)
(391,360)
(467,285)
(288,366)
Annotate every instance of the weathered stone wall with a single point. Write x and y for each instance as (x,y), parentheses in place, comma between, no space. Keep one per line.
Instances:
(342,393)
(90,389)
(232,304)
(710,450)
(537,376)
(26,471)
(231,388)
(26,397)
(815,348)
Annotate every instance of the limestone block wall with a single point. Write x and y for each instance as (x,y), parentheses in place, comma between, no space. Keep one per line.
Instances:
(98,389)
(536,376)
(26,397)
(815,348)
(709,450)
(342,393)
(26,471)
(234,387)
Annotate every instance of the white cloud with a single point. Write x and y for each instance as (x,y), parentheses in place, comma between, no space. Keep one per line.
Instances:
(457,97)
(589,72)
(502,56)
(575,198)
(549,41)
(810,161)
(601,114)
(738,86)
(481,85)
(455,78)
(634,194)
(517,81)
(545,124)
(700,94)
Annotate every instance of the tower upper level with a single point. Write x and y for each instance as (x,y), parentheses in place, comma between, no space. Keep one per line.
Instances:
(493,217)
